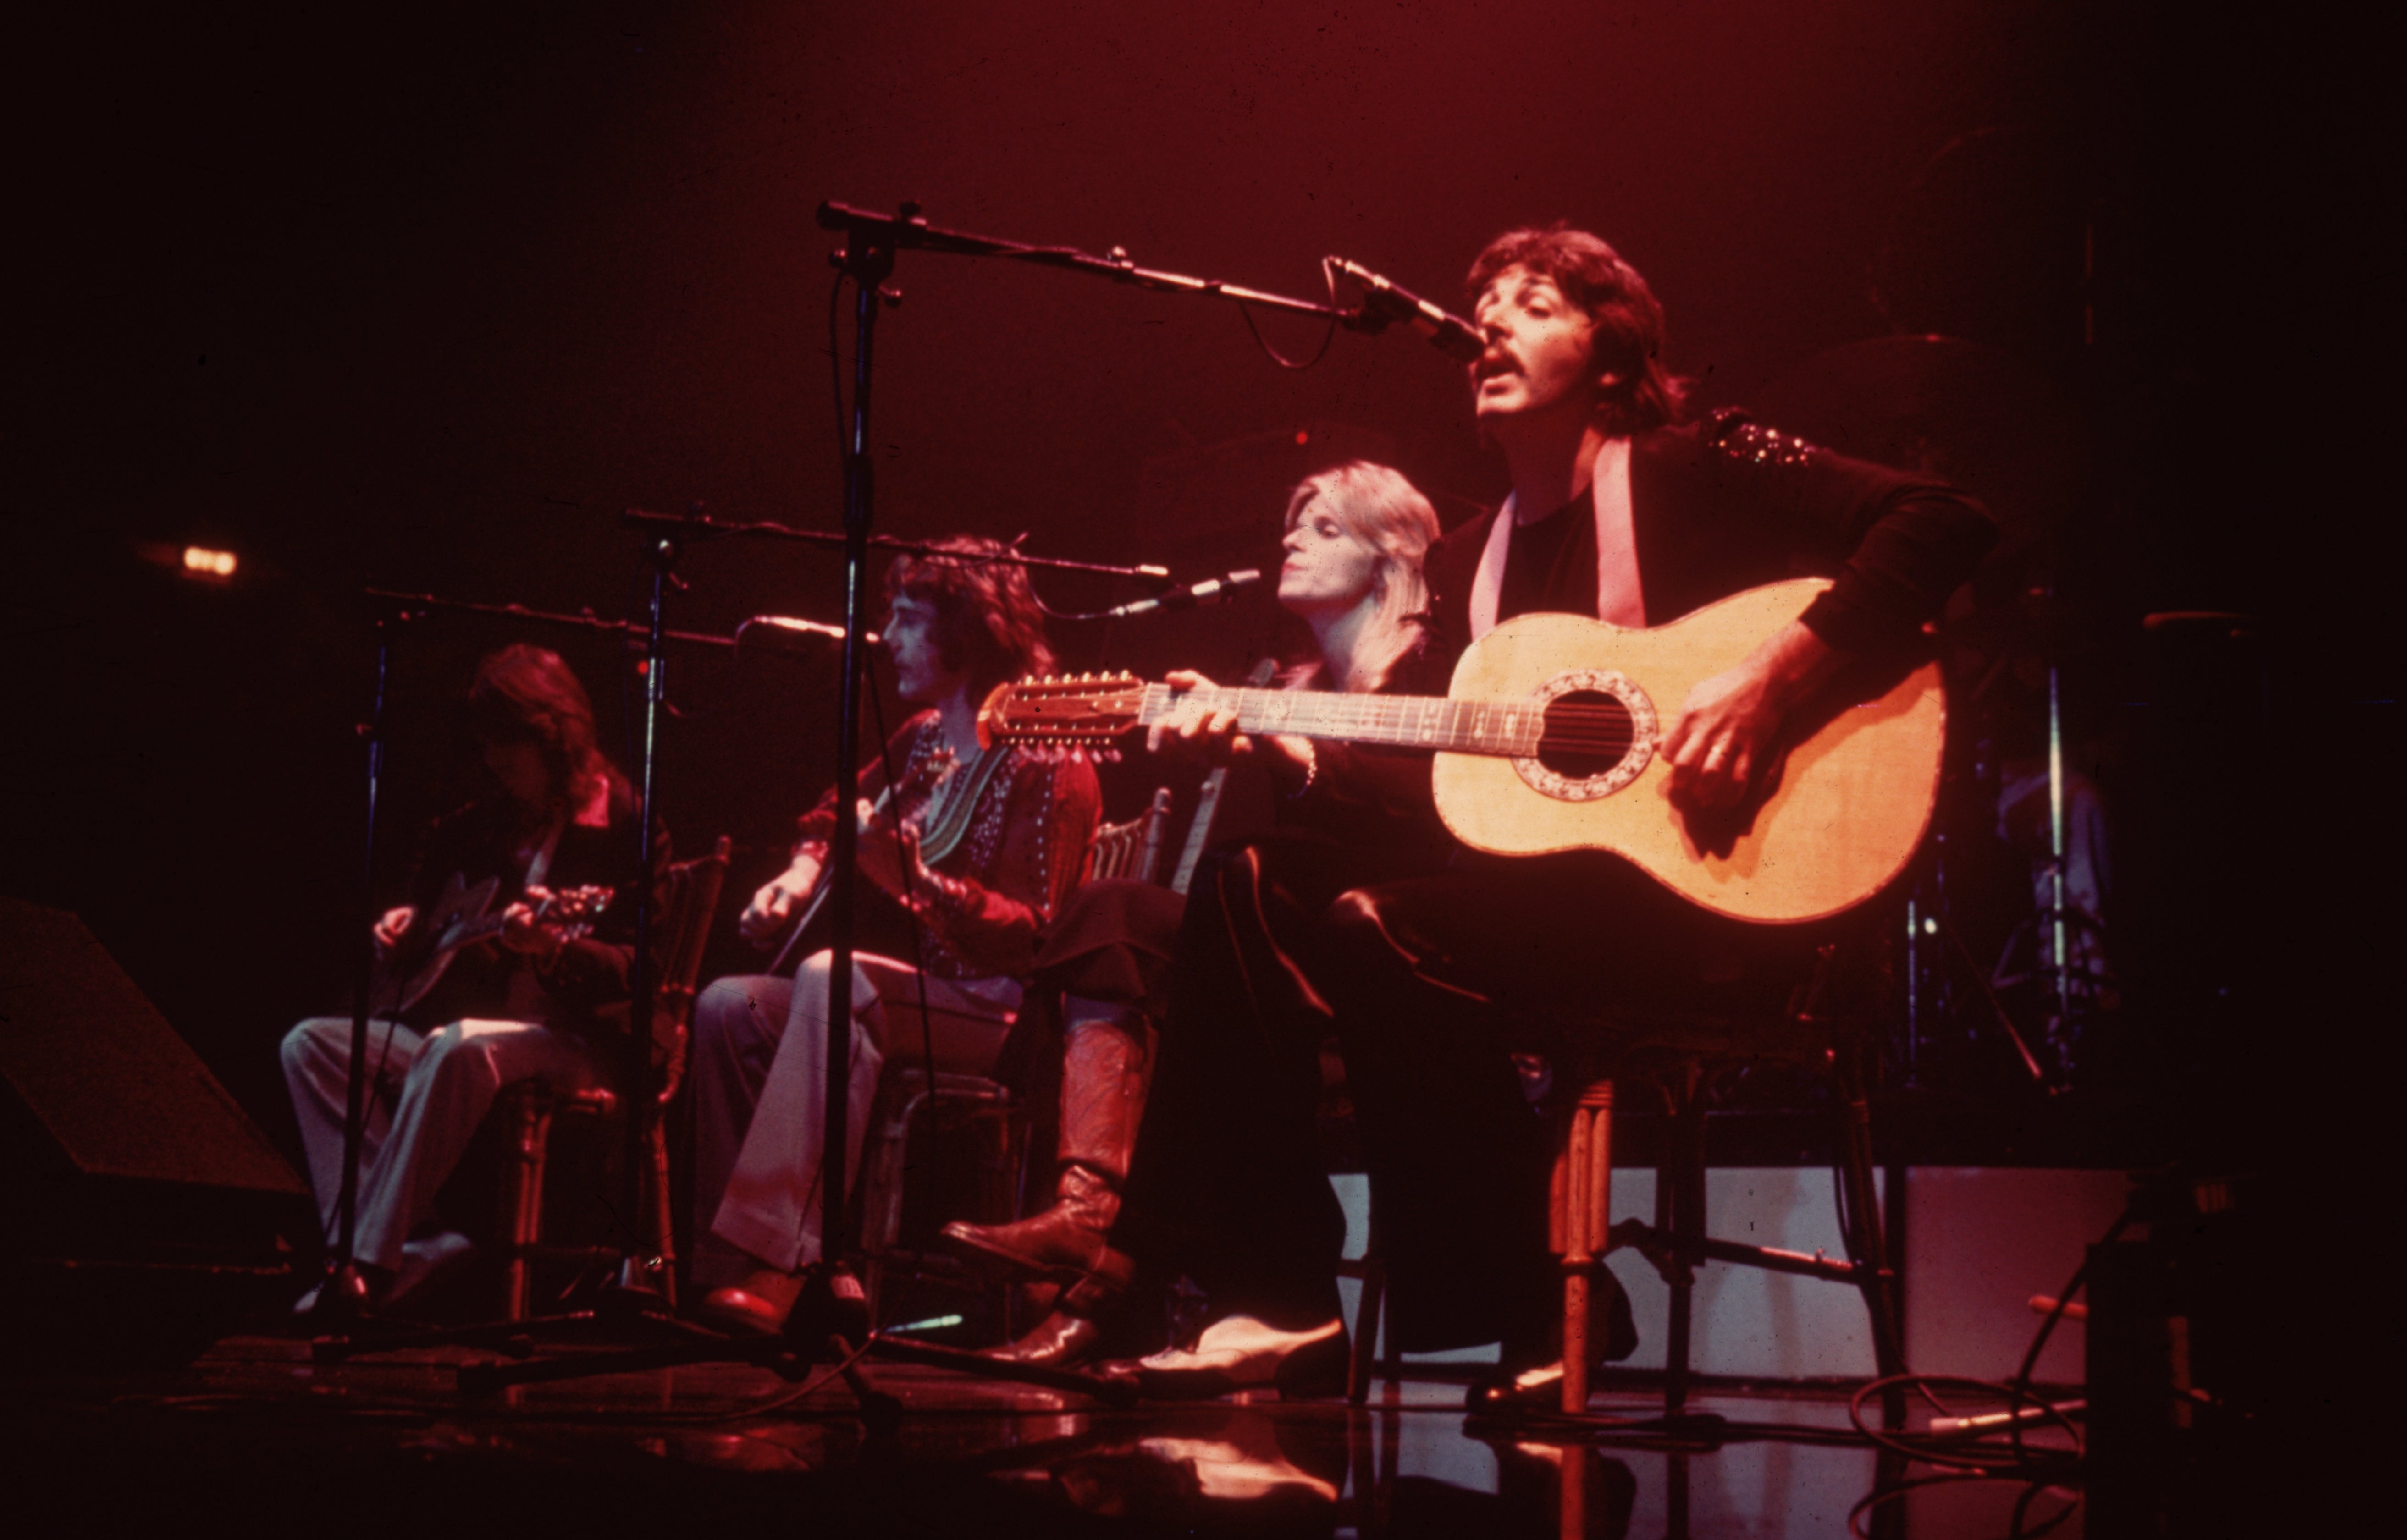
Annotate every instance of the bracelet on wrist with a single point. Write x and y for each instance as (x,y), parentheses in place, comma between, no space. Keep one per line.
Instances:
(1311,769)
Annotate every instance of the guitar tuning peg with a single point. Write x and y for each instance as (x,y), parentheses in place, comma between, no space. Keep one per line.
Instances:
(1111,756)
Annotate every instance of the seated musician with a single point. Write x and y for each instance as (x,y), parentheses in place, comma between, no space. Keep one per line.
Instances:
(1621,511)
(533,999)
(980,847)
(1235,1005)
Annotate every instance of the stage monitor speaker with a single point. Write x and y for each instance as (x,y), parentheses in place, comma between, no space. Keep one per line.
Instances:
(143,1211)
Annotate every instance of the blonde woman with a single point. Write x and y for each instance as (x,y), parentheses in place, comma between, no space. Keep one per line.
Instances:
(1227,979)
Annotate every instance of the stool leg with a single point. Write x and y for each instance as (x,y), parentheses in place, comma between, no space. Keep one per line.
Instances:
(1573,1513)
(1363,1369)
(1684,1171)
(1867,1244)
(522,1199)
(1587,1180)
(663,1237)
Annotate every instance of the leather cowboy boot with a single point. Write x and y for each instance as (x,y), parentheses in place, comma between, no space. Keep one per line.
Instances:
(1105,1071)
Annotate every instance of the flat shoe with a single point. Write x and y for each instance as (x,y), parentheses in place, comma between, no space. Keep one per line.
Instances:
(1242,1354)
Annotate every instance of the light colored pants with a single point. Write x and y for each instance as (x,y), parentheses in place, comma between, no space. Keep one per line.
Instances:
(427,1094)
(760,1090)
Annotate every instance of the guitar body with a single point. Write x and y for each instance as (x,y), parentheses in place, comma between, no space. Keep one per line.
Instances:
(1842,818)
(879,923)
(427,947)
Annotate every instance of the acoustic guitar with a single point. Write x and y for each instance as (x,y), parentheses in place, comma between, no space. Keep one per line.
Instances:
(462,915)
(875,911)
(1548,739)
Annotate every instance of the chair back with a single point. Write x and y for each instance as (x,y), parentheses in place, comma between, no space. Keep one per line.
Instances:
(1134,849)
(690,901)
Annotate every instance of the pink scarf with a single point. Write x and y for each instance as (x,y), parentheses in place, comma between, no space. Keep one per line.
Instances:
(1618,597)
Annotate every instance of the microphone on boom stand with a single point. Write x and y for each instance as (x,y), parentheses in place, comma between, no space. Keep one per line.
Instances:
(787,624)
(1383,301)
(1218,590)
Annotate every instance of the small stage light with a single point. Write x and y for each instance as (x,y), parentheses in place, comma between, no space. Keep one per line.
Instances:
(200,561)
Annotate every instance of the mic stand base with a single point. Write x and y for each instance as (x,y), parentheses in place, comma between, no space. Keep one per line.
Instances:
(615,1307)
(342,1294)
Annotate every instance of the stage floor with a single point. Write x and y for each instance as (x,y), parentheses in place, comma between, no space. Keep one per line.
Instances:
(255,1438)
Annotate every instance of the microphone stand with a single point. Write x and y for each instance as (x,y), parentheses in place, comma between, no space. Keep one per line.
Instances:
(635,1271)
(871,242)
(341,1291)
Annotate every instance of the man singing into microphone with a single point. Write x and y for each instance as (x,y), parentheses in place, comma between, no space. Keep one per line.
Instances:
(1622,511)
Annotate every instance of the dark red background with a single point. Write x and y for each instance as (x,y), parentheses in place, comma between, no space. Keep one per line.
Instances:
(423,297)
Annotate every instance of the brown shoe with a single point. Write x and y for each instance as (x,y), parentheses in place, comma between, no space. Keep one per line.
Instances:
(757,1306)
(1060,1341)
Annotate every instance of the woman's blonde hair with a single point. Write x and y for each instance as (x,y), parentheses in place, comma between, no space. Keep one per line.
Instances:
(1375,504)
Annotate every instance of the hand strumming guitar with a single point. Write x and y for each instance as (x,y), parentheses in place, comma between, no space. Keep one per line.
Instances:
(523,933)
(1728,728)
(890,853)
(774,906)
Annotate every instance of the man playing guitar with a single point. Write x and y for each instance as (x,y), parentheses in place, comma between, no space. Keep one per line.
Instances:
(527,999)
(1621,512)
(980,849)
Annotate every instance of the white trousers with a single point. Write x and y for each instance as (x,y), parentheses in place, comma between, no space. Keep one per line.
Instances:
(427,1094)
(760,1087)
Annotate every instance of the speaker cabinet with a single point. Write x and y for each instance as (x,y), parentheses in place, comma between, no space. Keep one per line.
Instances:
(143,1212)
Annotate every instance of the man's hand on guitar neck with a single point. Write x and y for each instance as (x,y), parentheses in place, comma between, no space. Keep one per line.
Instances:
(1729,730)
(772,907)
(1212,736)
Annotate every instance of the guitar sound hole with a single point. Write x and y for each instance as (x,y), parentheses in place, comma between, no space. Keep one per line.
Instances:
(1586,733)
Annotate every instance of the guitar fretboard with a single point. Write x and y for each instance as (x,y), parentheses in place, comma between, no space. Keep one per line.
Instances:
(1513,728)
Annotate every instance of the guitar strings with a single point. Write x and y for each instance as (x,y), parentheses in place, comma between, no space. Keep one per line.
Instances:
(1584,729)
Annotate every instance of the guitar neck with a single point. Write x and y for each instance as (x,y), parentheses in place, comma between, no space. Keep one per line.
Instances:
(1509,727)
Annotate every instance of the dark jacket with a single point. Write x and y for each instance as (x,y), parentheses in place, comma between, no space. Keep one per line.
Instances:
(1725,504)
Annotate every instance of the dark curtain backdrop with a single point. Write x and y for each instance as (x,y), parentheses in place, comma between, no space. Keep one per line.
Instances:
(422,296)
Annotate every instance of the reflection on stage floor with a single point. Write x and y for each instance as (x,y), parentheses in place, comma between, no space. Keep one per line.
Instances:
(256,1433)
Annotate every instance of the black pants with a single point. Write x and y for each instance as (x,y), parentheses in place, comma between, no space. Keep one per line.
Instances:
(1287,940)
(1227,1184)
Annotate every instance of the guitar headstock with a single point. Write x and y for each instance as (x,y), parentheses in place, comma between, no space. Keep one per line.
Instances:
(1076,712)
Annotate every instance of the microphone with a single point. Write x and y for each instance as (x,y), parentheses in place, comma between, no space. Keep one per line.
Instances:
(805,627)
(1389,301)
(1218,591)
